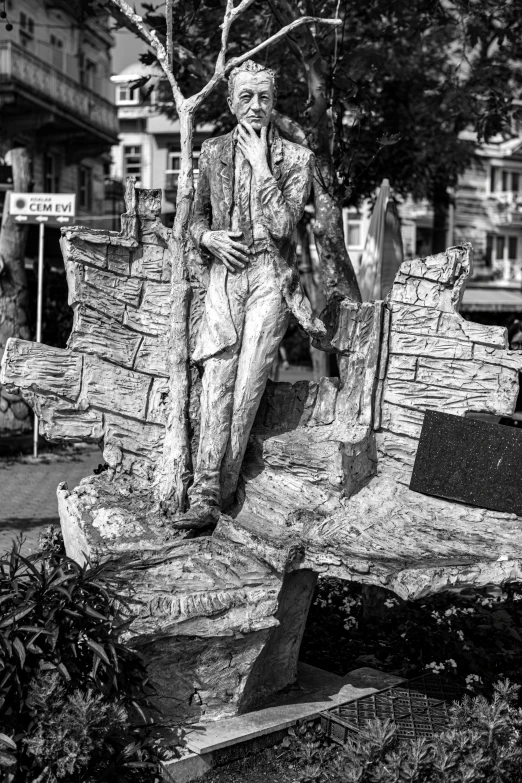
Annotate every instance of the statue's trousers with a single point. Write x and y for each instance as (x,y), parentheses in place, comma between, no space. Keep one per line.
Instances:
(235,378)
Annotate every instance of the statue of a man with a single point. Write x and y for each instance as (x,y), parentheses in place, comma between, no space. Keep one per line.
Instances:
(252,190)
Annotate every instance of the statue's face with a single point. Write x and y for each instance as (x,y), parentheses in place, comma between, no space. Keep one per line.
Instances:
(253,99)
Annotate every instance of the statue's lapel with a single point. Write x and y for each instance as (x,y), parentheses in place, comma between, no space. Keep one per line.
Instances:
(276,152)
(227,172)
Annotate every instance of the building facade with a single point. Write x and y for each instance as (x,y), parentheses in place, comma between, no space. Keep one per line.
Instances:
(487,212)
(149,142)
(56,98)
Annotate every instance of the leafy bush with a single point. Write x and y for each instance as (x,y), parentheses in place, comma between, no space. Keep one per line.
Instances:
(472,634)
(69,691)
(481,745)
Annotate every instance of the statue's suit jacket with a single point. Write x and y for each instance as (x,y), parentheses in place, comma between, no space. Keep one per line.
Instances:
(282,199)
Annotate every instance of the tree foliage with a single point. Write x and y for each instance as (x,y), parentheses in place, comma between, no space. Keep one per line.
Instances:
(403,80)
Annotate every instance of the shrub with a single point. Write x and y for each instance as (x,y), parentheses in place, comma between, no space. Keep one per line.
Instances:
(481,745)
(70,692)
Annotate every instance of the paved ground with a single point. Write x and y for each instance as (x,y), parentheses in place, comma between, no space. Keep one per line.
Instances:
(28,492)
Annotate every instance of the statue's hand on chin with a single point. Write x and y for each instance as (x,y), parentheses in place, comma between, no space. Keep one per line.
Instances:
(225,247)
(253,147)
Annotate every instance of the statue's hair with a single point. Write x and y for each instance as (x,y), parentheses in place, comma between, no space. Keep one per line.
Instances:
(251,67)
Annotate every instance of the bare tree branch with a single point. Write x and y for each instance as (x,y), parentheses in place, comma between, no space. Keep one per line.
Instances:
(291,129)
(235,61)
(168,15)
(124,14)
(243,5)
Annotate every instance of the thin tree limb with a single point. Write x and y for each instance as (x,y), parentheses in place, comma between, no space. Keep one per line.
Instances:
(291,129)
(135,23)
(235,61)
(168,15)
(243,5)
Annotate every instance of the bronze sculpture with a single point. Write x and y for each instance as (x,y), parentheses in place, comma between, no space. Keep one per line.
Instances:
(252,190)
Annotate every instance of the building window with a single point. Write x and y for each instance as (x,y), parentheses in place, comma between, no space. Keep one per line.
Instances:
(127,95)
(132,161)
(85,187)
(489,249)
(174,167)
(354,234)
(26,30)
(501,247)
(51,173)
(57,52)
(88,72)
(504,181)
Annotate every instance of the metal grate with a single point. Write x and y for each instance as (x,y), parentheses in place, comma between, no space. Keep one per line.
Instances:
(418,707)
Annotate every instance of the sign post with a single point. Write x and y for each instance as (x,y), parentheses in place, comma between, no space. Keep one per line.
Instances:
(54,209)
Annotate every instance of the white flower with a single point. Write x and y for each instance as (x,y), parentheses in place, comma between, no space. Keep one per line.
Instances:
(472,680)
(435,667)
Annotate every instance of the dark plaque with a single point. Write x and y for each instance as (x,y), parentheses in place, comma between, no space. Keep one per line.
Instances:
(471,461)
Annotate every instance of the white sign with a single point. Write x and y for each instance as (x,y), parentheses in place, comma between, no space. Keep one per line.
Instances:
(42,207)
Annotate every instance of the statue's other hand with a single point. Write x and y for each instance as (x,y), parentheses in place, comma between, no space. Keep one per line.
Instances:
(225,247)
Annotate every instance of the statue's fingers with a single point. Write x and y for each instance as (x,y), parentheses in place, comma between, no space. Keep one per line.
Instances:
(243,146)
(235,261)
(264,131)
(237,254)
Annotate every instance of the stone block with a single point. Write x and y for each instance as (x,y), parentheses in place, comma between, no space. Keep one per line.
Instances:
(470,461)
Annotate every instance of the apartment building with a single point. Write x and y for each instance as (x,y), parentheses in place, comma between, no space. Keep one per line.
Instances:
(149,142)
(486,211)
(56,98)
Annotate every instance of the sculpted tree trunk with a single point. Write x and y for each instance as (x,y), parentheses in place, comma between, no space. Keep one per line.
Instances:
(311,278)
(337,273)
(14,301)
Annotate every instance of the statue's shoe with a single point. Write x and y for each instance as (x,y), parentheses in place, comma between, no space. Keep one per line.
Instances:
(200,515)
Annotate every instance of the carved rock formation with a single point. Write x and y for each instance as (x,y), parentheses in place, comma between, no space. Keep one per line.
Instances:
(324,487)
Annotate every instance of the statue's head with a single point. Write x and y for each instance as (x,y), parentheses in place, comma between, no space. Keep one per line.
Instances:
(252,93)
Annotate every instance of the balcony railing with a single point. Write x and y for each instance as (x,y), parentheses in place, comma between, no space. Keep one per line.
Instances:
(47,82)
(507,197)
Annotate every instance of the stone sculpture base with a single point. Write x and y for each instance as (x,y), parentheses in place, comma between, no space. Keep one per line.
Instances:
(325,480)
(220,628)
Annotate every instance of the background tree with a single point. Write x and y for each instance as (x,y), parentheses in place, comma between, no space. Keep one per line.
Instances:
(14,299)
(388,93)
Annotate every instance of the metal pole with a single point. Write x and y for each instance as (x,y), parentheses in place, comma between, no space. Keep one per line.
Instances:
(39,317)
